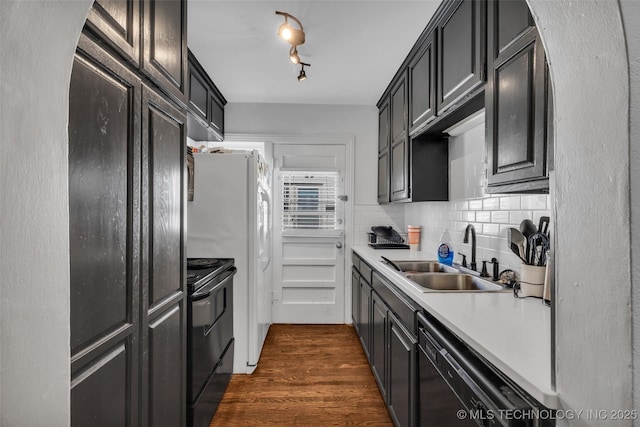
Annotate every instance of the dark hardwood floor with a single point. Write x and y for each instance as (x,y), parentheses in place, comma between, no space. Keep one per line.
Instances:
(308,375)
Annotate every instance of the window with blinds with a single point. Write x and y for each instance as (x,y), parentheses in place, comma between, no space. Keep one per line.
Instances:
(309,200)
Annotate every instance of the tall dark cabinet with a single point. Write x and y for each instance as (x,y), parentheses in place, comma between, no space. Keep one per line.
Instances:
(517,101)
(127,135)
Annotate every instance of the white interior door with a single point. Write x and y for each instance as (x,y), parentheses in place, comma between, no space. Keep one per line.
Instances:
(309,220)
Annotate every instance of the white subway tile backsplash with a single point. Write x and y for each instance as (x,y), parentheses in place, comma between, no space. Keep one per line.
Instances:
(491,217)
(491,229)
(518,216)
(461,205)
(500,217)
(475,205)
(483,216)
(510,203)
(491,204)
(534,202)
(469,216)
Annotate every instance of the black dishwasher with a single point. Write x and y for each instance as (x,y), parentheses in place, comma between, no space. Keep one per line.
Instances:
(458,389)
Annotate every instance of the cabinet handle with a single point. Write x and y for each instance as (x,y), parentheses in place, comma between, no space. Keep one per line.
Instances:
(339,245)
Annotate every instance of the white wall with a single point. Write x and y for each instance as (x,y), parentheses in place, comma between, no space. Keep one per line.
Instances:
(287,119)
(586,48)
(358,121)
(38,39)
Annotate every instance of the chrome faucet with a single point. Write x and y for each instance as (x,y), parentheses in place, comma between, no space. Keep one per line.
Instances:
(473,243)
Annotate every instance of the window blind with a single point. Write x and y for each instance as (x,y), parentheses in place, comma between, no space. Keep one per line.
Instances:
(309,200)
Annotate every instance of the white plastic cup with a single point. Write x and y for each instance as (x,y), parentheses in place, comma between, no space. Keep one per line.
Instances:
(531,280)
(413,232)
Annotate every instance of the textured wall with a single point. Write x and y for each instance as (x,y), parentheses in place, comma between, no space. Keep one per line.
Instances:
(38,39)
(631,18)
(586,49)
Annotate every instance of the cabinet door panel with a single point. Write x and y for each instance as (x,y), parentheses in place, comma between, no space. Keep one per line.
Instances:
(460,52)
(118,21)
(217,116)
(164,139)
(167,369)
(165,45)
(104,235)
(401,389)
(100,393)
(383,127)
(379,342)
(198,95)
(422,97)
(516,116)
(398,111)
(355,299)
(383,177)
(399,170)
(365,306)
(510,20)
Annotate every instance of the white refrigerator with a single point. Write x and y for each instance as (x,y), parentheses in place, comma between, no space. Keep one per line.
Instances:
(230,217)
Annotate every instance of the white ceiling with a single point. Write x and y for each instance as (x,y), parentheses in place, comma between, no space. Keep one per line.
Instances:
(354,47)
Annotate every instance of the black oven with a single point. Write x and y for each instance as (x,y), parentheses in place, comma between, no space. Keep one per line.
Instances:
(209,337)
(459,389)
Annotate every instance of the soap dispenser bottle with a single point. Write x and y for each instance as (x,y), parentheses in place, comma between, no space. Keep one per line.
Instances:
(445,250)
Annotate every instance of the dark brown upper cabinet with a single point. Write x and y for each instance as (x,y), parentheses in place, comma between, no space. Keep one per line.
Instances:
(422,85)
(384,141)
(164,53)
(461,54)
(399,152)
(206,105)
(151,35)
(516,101)
(118,23)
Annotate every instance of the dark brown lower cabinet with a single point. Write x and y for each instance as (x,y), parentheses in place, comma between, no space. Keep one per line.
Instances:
(379,325)
(402,374)
(355,298)
(392,347)
(365,306)
(126,186)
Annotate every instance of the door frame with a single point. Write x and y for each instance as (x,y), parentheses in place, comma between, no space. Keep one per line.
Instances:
(349,185)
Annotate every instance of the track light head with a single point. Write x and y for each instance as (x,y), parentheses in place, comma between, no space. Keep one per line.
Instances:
(290,34)
(303,76)
(293,55)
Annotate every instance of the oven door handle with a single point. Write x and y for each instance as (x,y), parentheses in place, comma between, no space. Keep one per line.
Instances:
(207,290)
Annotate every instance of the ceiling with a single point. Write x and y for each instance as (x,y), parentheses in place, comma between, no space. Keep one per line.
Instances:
(354,47)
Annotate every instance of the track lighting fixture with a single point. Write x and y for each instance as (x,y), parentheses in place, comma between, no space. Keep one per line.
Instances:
(303,76)
(295,37)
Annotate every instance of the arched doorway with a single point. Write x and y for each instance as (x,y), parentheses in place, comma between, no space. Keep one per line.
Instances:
(586,48)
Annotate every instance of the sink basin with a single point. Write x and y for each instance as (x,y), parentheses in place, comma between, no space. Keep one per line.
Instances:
(453,282)
(411,267)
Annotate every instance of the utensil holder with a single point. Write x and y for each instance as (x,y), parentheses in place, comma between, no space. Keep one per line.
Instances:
(531,281)
(414,237)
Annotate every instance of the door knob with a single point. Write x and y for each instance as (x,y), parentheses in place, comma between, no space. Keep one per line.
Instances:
(339,245)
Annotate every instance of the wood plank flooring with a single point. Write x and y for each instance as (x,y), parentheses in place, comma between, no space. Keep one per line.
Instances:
(308,375)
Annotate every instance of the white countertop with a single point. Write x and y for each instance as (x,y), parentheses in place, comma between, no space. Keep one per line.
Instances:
(514,335)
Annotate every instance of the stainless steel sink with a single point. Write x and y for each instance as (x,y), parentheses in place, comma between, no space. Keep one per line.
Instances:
(411,267)
(453,282)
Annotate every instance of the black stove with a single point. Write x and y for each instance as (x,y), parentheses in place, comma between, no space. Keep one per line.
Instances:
(210,343)
(201,270)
